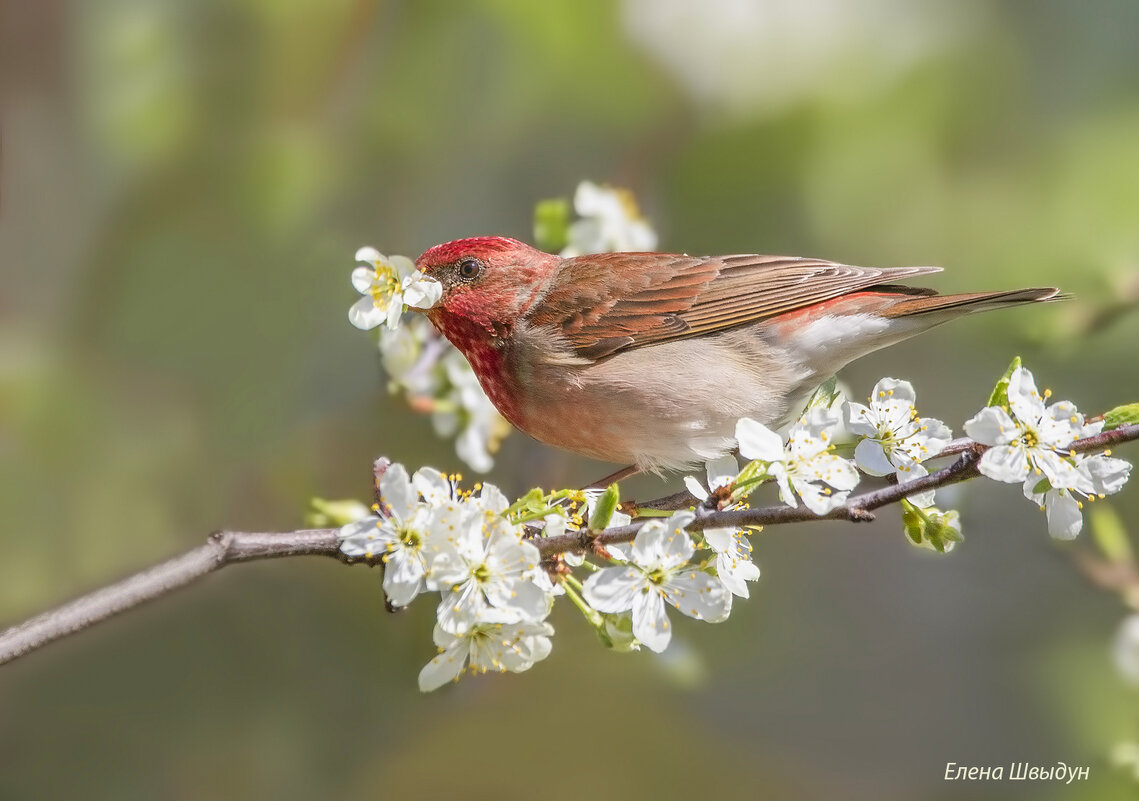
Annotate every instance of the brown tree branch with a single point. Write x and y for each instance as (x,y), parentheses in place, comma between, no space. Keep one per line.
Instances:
(222,548)
(231,547)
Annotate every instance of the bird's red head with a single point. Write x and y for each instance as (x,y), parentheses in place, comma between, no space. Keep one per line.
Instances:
(488,283)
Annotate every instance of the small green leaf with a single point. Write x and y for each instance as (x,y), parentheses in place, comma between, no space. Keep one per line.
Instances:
(604,507)
(753,474)
(825,396)
(999,397)
(931,528)
(532,503)
(1121,416)
(1109,533)
(334,514)
(616,633)
(551,224)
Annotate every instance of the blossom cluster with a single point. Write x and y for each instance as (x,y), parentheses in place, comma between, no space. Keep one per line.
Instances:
(478,553)
(1028,444)
(493,595)
(481,553)
(422,365)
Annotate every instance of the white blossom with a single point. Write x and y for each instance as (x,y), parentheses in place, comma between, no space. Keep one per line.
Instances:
(1098,476)
(659,572)
(610,222)
(387,284)
(720,473)
(894,439)
(397,537)
(502,647)
(1031,440)
(734,566)
(479,562)
(805,465)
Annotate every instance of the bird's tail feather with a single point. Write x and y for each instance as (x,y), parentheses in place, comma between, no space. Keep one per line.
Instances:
(979,301)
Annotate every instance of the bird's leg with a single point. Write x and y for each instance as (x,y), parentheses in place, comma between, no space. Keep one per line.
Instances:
(620,475)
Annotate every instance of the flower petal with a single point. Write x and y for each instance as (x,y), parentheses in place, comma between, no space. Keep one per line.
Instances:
(722,471)
(613,589)
(757,441)
(992,426)
(694,488)
(1106,473)
(1059,471)
(860,420)
(676,546)
(363,279)
(520,596)
(432,485)
(492,499)
(650,620)
(870,456)
(403,576)
(1024,400)
(893,389)
(834,470)
(1007,463)
(422,293)
(1064,516)
(365,315)
(368,254)
(397,492)
(445,667)
(394,312)
(698,595)
(816,498)
(909,472)
(934,436)
(1060,424)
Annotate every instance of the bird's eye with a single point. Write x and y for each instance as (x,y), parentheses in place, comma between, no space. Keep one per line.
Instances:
(469,269)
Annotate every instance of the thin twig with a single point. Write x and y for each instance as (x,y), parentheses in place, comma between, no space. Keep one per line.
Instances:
(222,548)
(230,547)
(857,509)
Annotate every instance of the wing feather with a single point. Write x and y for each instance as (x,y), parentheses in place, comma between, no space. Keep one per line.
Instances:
(615,301)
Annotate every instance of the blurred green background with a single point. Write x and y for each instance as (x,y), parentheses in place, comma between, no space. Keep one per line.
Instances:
(183,186)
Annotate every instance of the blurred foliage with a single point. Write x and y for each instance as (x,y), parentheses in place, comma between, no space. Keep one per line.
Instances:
(183,187)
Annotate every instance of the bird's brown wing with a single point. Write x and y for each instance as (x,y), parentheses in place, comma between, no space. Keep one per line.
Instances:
(615,301)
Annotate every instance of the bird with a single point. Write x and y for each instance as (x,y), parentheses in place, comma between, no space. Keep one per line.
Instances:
(650,359)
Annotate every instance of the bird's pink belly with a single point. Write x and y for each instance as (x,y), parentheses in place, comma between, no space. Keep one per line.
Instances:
(668,406)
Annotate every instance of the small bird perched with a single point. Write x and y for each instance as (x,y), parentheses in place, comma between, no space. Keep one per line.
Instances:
(649,359)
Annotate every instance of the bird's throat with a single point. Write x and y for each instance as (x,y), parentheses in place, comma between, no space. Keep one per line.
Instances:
(489,356)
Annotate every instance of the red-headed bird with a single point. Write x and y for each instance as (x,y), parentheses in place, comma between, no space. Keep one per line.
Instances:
(649,359)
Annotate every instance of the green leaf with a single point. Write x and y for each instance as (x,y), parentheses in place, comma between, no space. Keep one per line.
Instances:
(825,396)
(532,503)
(1121,416)
(999,397)
(753,474)
(604,507)
(616,633)
(931,528)
(323,513)
(551,224)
